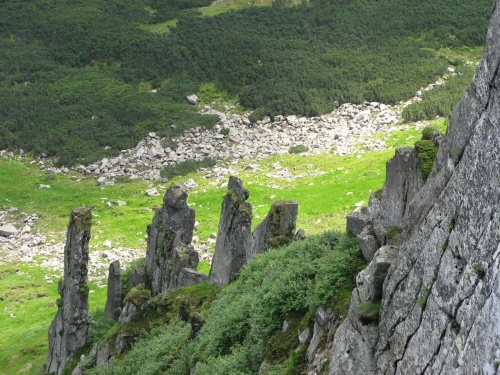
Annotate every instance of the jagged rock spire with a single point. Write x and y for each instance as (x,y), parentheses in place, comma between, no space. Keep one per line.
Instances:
(236,244)
(70,329)
(170,257)
(235,234)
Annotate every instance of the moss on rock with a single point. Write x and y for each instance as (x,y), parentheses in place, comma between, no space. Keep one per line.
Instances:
(426,153)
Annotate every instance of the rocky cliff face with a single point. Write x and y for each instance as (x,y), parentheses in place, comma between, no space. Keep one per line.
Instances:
(441,298)
(70,329)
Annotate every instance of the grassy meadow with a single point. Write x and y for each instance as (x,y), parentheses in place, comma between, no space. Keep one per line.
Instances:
(327,187)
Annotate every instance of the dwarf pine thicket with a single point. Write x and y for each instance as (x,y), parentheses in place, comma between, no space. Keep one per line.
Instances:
(76,75)
(289,282)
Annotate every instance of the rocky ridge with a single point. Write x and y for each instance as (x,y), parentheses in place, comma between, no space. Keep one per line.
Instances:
(429,302)
(171,260)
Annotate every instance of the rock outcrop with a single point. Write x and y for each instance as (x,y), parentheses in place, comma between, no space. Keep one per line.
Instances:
(114,301)
(403,181)
(170,259)
(441,295)
(70,329)
(236,244)
(277,229)
(235,234)
(8,230)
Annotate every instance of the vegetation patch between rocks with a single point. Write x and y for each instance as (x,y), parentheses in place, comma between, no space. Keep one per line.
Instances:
(368,312)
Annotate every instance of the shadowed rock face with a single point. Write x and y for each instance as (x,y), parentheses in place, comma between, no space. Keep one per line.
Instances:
(70,329)
(441,297)
(169,251)
(114,301)
(403,181)
(235,234)
(277,229)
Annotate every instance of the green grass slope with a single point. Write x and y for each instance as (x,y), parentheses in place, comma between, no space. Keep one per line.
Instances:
(324,199)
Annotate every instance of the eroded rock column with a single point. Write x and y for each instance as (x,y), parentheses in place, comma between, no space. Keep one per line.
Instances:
(70,329)
(235,234)
(170,259)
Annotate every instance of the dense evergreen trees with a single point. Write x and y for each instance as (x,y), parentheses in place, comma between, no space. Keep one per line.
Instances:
(70,70)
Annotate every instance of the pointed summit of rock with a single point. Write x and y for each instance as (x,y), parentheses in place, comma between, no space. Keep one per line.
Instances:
(69,330)
(235,234)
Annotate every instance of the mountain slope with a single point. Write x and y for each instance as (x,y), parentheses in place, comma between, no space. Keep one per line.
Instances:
(441,298)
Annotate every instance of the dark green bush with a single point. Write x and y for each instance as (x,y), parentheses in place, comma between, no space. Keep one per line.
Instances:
(186,167)
(392,235)
(249,311)
(150,353)
(451,223)
(422,302)
(456,155)
(279,345)
(100,325)
(84,62)
(138,295)
(440,101)
(378,193)
(256,115)
(298,149)
(427,132)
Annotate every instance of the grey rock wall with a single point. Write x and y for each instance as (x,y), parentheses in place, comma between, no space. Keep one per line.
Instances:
(441,297)
(403,181)
(70,329)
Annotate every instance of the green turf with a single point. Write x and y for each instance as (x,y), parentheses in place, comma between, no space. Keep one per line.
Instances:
(324,200)
(27,306)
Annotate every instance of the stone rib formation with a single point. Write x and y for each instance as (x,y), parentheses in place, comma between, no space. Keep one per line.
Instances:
(441,296)
(170,259)
(69,330)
